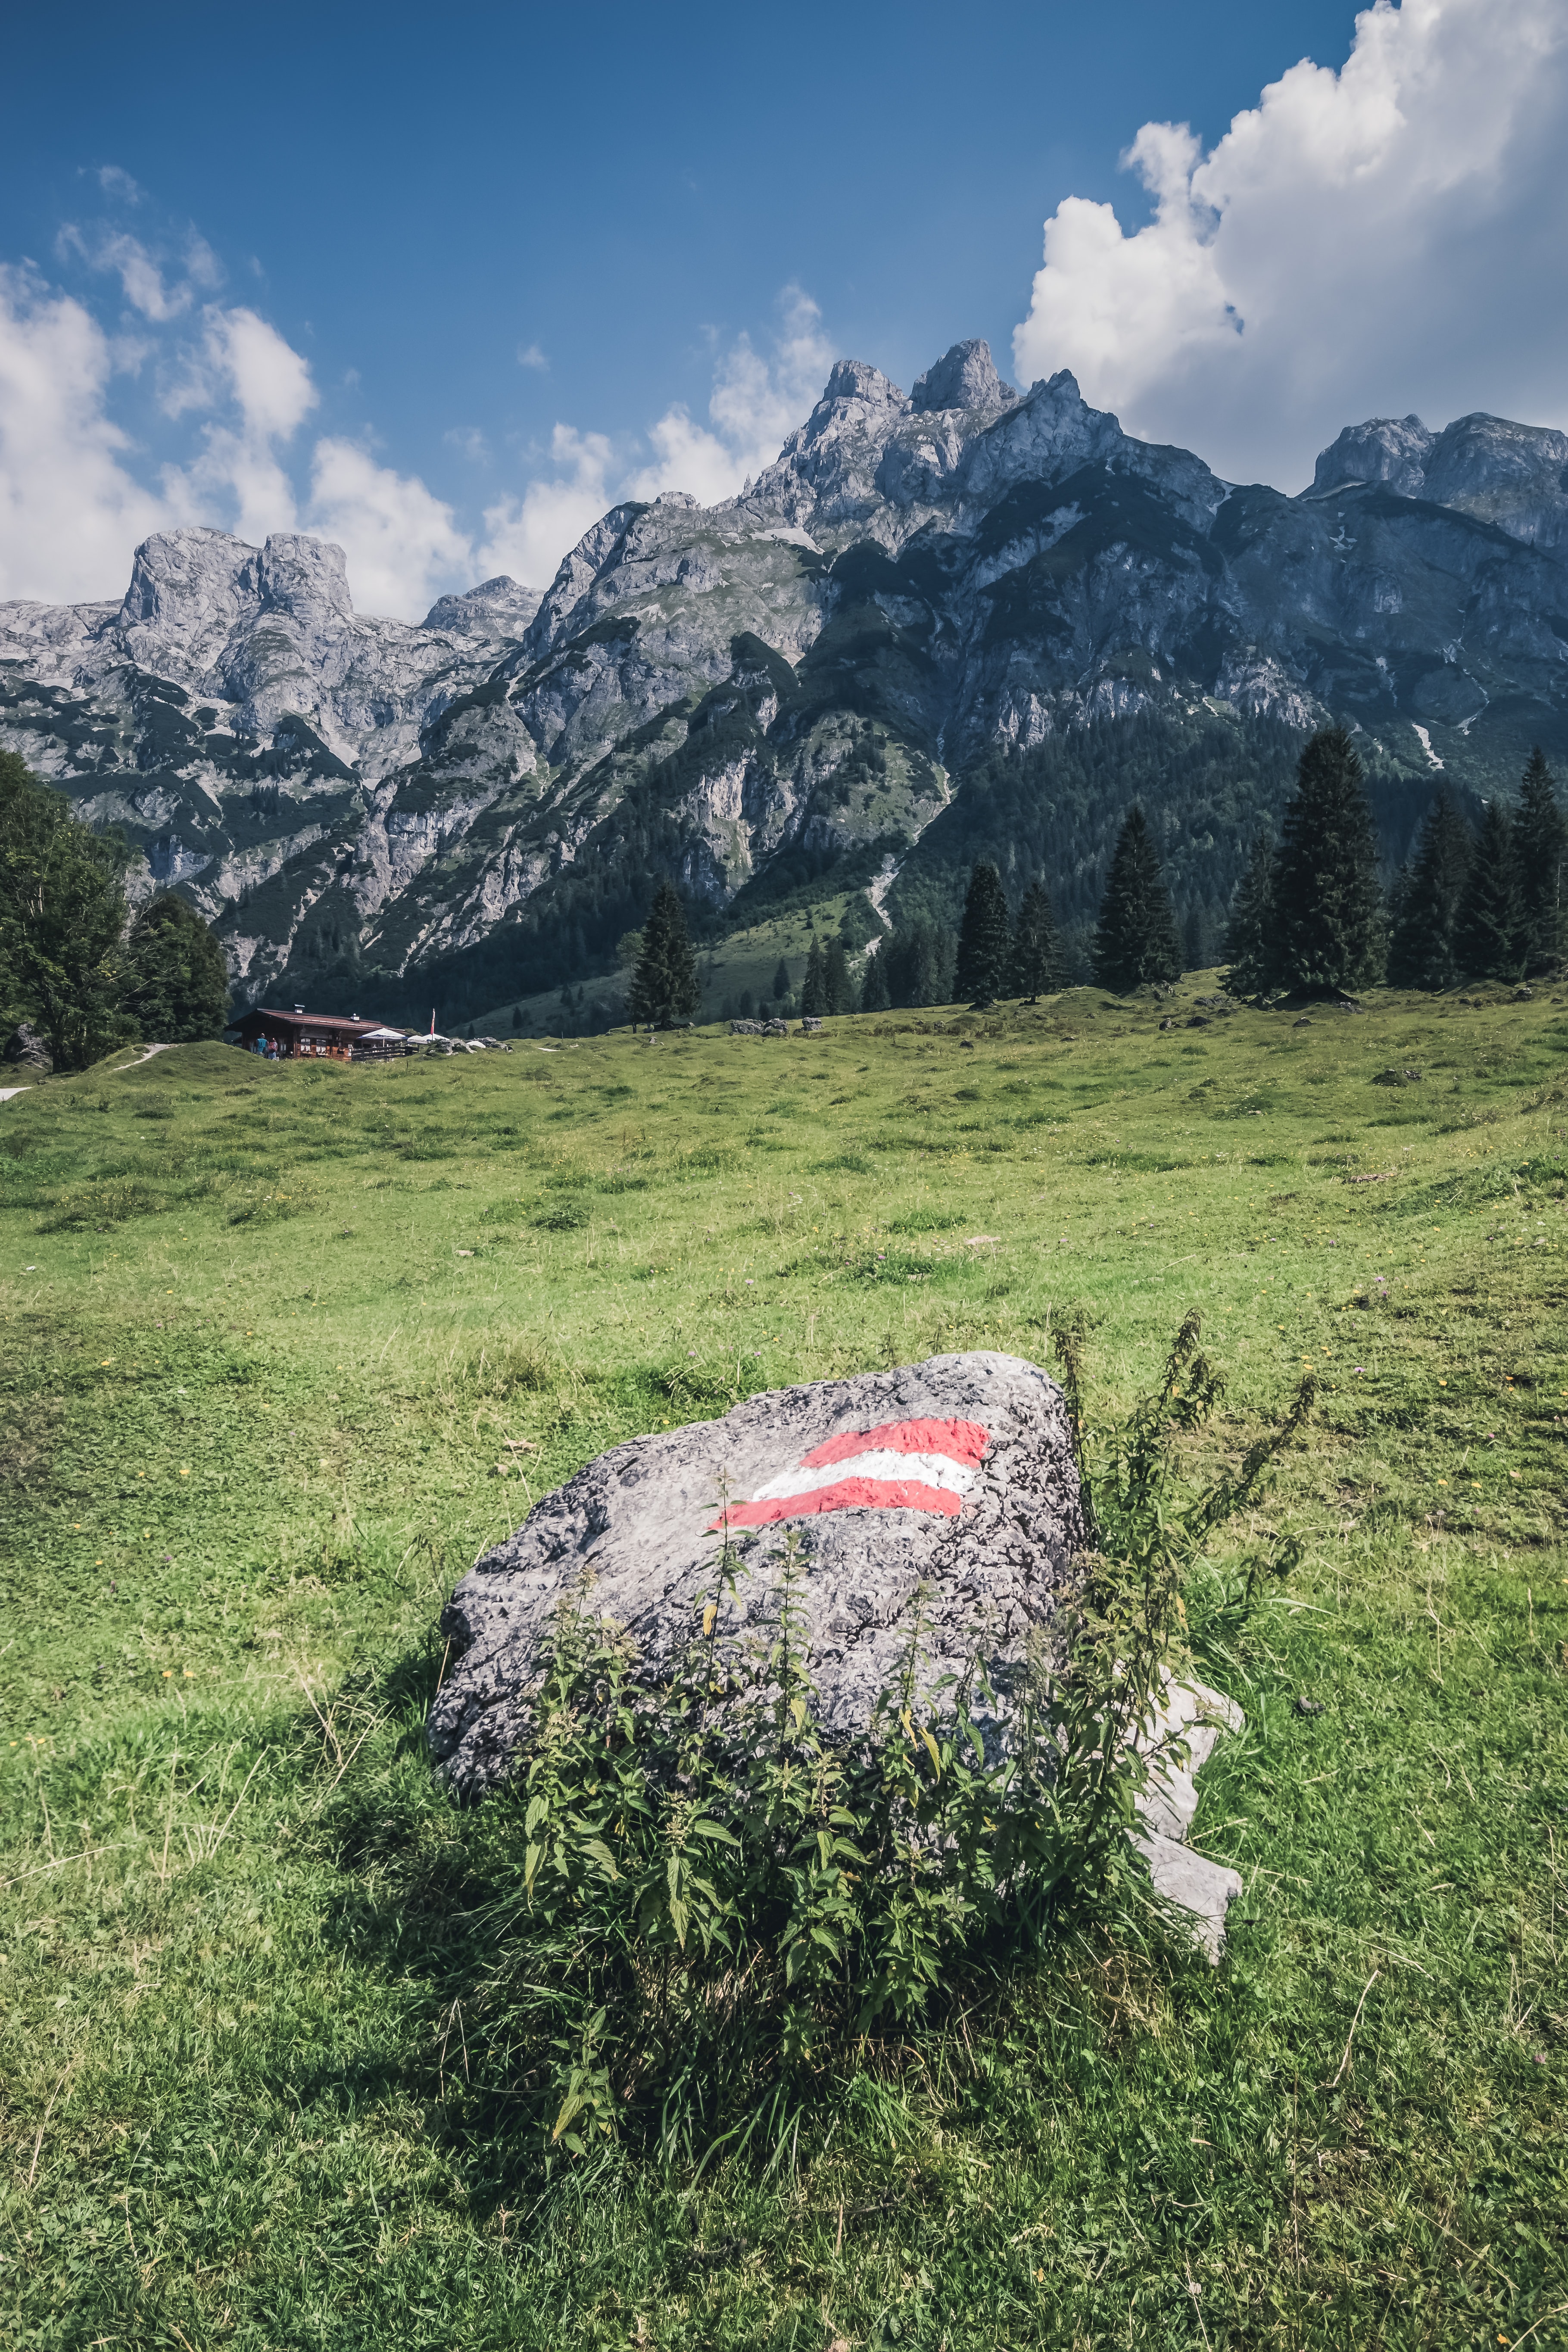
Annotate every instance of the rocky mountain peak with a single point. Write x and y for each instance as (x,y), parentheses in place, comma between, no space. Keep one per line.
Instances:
(858,380)
(1392,449)
(964,377)
(501,607)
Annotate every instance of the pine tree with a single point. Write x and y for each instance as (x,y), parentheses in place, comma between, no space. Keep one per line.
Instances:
(837,987)
(176,981)
(665,989)
(517,1016)
(984,943)
(1541,845)
(1425,900)
(1250,945)
(874,995)
(1037,968)
(813,988)
(1135,942)
(1328,906)
(781,981)
(1489,930)
(920,964)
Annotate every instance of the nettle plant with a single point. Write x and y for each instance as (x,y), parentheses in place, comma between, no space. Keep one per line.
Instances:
(705,1894)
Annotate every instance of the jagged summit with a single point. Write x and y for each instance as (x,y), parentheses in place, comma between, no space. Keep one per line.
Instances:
(964,377)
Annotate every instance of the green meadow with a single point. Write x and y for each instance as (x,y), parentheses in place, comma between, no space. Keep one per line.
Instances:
(284,1349)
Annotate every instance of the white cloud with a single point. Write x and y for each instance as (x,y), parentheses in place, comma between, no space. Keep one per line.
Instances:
(533,357)
(527,536)
(71,513)
(402,543)
(755,403)
(1384,238)
(262,387)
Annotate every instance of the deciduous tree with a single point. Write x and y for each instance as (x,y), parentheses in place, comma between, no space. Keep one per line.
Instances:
(176,981)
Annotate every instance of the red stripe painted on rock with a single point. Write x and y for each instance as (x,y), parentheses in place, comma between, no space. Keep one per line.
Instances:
(960,1441)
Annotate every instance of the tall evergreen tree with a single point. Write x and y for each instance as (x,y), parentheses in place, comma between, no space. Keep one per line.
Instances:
(1328,906)
(1540,845)
(1250,945)
(62,912)
(1427,900)
(920,964)
(814,987)
(874,995)
(1037,963)
(836,985)
(1135,941)
(176,981)
(985,941)
(781,981)
(1489,930)
(665,988)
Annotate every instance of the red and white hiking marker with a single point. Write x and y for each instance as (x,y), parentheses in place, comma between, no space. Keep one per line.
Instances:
(904,1465)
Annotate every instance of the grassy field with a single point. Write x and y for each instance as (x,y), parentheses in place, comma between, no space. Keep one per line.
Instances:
(266,1334)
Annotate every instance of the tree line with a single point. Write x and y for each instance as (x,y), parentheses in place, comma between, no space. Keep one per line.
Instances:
(77,967)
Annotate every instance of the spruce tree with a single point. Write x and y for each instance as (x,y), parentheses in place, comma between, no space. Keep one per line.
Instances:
(1426,902)
(984,942)
(838,988)
(781,981)
(1328,906)
(1250,945)
(1037,951)
(1135,941)
(665,989)
(176,981)
(874,995)
(1489,931)
(813,988)
(1541,846)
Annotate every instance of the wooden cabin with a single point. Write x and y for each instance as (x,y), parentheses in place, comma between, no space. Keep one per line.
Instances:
(301,1037)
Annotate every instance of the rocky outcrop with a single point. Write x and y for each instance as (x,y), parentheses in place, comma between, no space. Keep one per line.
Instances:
(27,1048)
(937,1513)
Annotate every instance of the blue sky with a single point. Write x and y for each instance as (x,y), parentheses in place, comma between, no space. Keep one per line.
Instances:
(506,258)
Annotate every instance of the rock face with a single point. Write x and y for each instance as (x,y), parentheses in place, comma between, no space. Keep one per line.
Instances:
(941,1497)
(956,1473)
(26,1049)
(819,678)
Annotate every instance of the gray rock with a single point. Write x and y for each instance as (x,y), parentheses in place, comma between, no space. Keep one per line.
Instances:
(966,377)
(948,1503)
(26,1049)
(643,1521)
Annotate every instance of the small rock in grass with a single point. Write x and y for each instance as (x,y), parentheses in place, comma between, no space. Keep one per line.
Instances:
(1311,1706)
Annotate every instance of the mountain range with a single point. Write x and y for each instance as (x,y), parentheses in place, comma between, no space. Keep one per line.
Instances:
(951,622)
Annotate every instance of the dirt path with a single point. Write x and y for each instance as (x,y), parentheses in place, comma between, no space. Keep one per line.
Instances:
(145,1055)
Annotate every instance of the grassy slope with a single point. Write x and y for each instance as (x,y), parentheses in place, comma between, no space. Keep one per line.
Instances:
(254,1396)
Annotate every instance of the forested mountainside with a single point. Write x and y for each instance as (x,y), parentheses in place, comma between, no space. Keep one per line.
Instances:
(952,623)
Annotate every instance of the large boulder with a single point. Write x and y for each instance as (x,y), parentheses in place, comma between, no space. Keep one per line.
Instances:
(956,1474)
(940,1499)
(25,1049)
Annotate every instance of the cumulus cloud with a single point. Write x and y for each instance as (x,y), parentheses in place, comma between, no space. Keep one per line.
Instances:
(70,511)
(262,391)
(402,545)
(1370,241)
(757,400)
